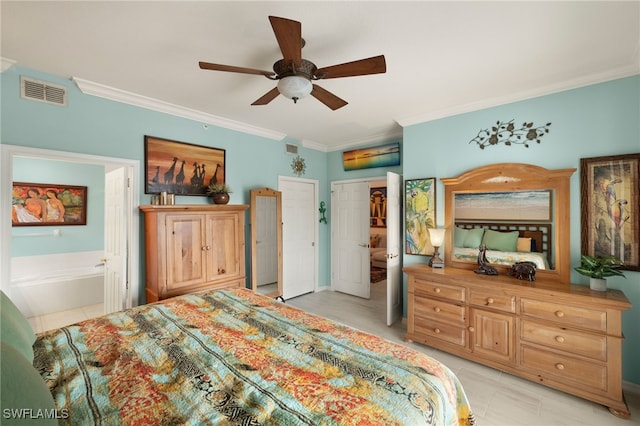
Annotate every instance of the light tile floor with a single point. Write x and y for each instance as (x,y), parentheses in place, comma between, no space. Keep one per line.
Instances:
(497,398)
(60,319)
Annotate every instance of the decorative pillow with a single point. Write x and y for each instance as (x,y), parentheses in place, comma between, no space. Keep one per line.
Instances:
(524,245)
(459,235)
(474,238)
(501,241)
(374,240)
(22,388)
(15,330)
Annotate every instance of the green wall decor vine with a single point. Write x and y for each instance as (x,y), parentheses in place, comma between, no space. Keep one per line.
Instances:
(506,133)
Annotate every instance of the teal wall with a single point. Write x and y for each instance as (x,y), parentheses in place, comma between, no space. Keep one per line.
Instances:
(97,126)
(597,120)
(72,239)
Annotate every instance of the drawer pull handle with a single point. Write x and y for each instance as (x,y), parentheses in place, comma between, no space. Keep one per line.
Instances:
(205,248)
(471,329)
(437,290)
(436,330)
(559,339)
(559,314)
(436,309)
(560,366)
(489,301)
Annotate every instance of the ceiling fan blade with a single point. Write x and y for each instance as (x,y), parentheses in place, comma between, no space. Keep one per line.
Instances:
(327,98)
(289,36)
(267,97)
(230,68)
(374,65)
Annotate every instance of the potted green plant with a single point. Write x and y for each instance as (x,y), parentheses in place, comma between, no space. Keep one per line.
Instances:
(219,192)
(598,269)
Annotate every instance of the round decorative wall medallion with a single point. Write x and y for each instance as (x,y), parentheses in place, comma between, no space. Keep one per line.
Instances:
(298,166)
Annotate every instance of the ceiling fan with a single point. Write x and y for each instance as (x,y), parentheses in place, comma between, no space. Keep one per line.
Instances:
(294,74)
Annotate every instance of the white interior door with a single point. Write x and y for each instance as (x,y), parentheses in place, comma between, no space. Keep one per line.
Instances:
(350,270)
(115,240)
(266,241)
(299,234)
(394,270)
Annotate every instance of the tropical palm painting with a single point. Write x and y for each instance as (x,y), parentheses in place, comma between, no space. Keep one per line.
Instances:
(420,215)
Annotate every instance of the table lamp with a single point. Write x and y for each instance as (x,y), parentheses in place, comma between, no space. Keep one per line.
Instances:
(437,238)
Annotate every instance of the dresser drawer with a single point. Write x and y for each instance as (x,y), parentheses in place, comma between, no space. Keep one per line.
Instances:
(445,291)
(565,368)
(439,330)
(573,341)
(592,319)
(439,310)
(493,300)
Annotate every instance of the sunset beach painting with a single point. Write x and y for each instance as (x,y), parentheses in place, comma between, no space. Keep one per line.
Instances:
(366,158)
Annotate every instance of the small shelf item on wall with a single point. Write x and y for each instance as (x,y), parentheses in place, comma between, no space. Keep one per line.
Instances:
(506,133)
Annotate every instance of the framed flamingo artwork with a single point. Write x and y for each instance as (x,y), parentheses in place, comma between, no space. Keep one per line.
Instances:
(181,168)
(610,208)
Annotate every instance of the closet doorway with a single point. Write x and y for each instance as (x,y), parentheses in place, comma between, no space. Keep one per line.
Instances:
(299,235)
(352,214)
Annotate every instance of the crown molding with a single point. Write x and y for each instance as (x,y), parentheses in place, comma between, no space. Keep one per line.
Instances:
(521,96)
(314,145)
(6,63)
(377,138)
(100,90)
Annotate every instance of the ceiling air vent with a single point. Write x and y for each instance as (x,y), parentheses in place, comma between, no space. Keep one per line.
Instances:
(291,148)
(42,91)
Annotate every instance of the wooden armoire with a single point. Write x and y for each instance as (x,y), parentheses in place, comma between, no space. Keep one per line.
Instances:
(193,247)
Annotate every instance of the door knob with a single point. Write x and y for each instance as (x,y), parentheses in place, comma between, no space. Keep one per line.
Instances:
(364,245)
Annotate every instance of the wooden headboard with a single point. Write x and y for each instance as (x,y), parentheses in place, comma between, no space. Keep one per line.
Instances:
(538,232)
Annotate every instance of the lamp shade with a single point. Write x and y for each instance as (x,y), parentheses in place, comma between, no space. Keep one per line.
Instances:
(437,236)
(294,87)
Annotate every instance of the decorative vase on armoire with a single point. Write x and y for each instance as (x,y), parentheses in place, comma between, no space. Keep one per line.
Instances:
(219,192)
(220,198)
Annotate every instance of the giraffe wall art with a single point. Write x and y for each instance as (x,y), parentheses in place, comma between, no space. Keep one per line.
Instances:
(181,168)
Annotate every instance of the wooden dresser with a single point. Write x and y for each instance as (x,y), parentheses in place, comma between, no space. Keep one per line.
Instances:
(193,247)
(563,336)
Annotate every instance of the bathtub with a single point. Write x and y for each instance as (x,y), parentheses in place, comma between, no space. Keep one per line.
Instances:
(58,282)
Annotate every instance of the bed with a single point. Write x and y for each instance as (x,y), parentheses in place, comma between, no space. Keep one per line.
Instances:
(507,243)
(236,357)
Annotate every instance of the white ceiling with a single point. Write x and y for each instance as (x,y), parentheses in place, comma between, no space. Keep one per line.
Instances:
(443,58)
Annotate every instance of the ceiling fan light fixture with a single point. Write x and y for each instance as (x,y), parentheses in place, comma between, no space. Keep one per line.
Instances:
(295,87)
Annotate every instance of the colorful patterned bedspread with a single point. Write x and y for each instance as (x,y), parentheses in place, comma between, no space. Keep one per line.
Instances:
(502,257)
(235,357)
